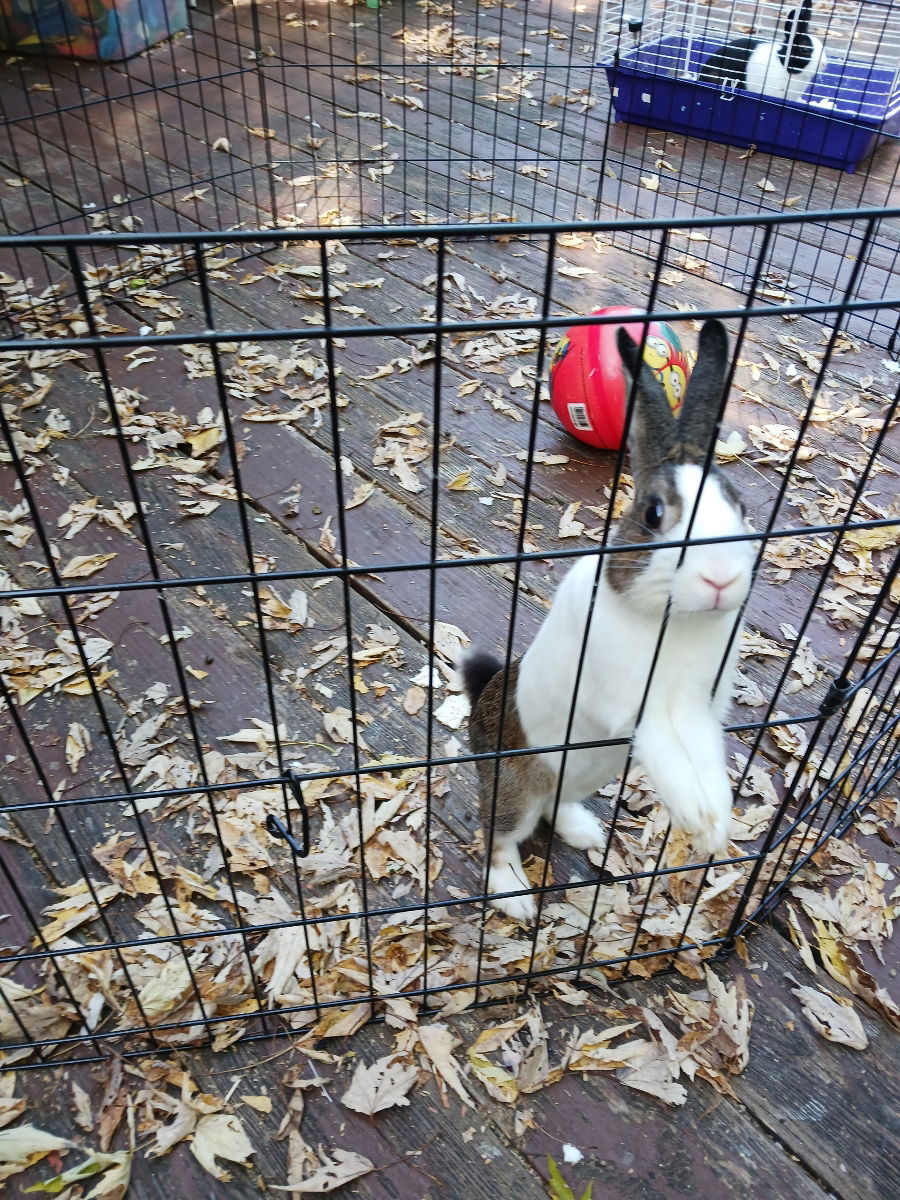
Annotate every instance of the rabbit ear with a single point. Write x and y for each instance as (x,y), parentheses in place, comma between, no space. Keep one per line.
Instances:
(798,19)
(703,400)
(653,432)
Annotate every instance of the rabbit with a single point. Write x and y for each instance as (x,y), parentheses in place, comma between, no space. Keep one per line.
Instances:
(679,738)
(782,69)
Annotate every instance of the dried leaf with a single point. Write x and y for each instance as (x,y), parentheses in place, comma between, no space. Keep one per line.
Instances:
(360,494)
(327,539)
(116,1168)
(497,402)
(453,711)
(837,1022)
(437,1041)
(220,1135)
(462,483)
(568,526)
(844,964)
(382,1085)
(298,603)
(655,1074)
(414,699)
(730,447)
(334,1173)
(408,101)
(341,1022)
(76,907)
(449,641)
(26,1144)
(83,565)
(204,440)
(78,743)
(541,456)
(339,725)
(496,1081)
(11,1108)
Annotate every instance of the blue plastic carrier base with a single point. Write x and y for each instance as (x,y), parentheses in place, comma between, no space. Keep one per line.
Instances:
(850,108)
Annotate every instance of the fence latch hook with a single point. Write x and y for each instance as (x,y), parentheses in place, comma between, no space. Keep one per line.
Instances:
(277,828)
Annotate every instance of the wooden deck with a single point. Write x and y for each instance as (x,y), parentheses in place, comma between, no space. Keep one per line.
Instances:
(322,116)
(807,1118)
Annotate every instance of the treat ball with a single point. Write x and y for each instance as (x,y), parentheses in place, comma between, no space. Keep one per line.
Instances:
(588,386)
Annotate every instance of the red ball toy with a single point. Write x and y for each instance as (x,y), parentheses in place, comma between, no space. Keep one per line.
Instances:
(587,383)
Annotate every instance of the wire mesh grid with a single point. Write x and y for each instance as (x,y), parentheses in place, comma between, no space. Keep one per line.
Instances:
(342,115)
(235,797)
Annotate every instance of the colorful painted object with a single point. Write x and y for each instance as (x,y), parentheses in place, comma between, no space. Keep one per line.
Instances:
(587,384)
(96,29)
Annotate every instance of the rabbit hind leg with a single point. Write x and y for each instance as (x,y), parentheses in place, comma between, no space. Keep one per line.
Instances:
(515,820)
(578,827)
(572,821)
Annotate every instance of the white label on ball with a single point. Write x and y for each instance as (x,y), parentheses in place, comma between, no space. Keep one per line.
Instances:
(578,415)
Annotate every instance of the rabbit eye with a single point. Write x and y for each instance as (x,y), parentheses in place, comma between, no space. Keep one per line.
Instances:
(653,517)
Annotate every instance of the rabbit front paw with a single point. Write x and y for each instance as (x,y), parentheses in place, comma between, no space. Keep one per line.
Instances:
(706,821)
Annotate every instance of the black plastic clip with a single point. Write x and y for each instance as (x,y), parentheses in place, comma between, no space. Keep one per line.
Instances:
(277,827)
(836,697)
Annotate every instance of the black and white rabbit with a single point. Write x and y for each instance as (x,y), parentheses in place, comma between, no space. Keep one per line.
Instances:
(783,69)
(679,740)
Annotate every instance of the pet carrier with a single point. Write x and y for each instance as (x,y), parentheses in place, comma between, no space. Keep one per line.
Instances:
(845,101)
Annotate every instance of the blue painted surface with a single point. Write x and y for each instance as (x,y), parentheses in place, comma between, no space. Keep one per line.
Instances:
(648,89)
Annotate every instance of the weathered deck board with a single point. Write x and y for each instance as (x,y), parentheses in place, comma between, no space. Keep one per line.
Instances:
(797,1088)
(810,1119)
(798,1085)
(418,1151)
(372,32)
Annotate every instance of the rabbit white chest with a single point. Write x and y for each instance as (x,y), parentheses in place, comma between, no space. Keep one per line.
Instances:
(767,75)
(618,659)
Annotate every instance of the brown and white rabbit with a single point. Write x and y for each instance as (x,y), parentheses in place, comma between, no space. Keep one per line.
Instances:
(679,741)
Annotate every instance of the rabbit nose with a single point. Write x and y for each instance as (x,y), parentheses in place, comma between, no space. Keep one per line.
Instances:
(720,587)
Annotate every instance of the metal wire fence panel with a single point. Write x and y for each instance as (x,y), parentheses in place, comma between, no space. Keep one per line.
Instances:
(438,113)
(262,491)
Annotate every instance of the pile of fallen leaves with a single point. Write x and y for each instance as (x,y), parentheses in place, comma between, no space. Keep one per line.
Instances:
(706,1037)
(658,1047)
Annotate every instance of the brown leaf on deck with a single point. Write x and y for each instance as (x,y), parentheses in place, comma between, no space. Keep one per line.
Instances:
(837,1022)
(382,1085)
